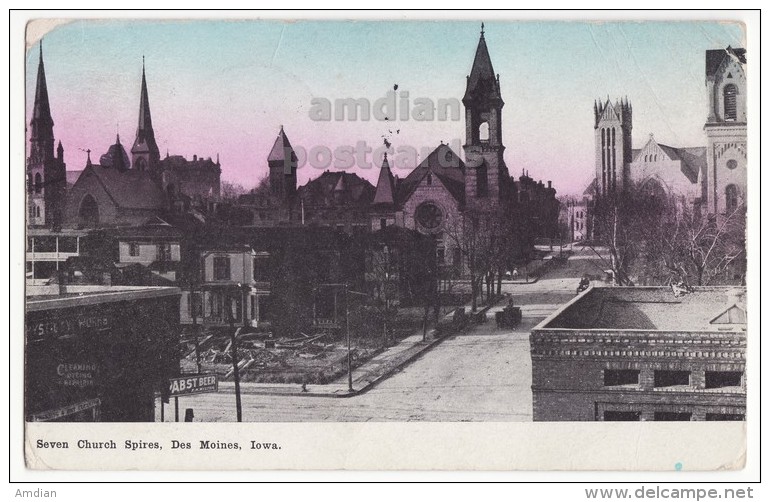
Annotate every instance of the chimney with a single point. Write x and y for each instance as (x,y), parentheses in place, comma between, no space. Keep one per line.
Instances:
(195,158)
(549,183)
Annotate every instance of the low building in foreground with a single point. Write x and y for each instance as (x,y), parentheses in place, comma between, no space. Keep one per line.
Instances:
(98,353)
(642,353)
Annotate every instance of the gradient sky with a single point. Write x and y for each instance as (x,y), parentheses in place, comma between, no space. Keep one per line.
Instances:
(227,86)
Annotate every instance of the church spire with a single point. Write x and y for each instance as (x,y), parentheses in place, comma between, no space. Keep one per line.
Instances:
(384,193)
(482,82)
(145,150)
(41,135)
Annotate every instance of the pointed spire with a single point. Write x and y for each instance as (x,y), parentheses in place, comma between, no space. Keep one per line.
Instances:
(88,161)
(482,83)
(385,185)
(280,148)
(41,134)
(482,29)
(145,136)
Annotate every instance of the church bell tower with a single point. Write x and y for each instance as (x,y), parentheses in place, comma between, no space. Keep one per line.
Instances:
(485,167)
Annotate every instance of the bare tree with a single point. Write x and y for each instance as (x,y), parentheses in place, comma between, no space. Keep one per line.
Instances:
(474,235)
(701,250)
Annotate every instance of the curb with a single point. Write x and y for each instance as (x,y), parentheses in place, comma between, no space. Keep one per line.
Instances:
(340,394)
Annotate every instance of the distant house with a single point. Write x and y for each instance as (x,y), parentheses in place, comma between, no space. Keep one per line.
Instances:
(642,354)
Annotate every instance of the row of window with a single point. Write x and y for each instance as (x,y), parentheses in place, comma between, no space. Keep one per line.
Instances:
(163,250)
(673,378)
(668,416)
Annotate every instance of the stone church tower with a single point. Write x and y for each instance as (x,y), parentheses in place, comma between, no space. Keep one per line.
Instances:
(725,128)
(485,168)
(612,140)
(46,173)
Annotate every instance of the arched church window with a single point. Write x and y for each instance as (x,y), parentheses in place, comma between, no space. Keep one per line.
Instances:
(645,158)
(89,211)
(730,102)
(731,198)
(141,165)
(655,159)
(38,183)
(37,211)
(484,131)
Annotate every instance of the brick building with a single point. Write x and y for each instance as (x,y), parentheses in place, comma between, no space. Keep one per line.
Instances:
(642,353)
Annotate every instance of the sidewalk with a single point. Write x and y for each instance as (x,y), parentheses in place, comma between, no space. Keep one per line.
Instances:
(365,376)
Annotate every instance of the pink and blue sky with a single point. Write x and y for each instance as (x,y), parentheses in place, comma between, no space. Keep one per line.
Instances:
(225,87)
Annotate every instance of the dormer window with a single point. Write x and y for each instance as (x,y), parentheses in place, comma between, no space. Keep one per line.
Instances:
(429,180)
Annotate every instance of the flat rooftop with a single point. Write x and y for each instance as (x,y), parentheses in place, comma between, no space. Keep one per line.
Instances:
(708,308)
(52,297)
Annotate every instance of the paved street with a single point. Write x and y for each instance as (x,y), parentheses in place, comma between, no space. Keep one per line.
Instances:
(481,375)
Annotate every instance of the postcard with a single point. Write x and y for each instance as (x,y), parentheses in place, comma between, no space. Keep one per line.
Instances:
(452,244)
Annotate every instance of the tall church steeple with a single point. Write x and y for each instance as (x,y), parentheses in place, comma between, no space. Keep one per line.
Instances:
(483,131)
(46,173)
(145,154)
(41,125)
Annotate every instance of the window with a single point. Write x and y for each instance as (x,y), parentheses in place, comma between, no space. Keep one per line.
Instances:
(429,180)
(482,182)
(38,183)
(383,223)
(668,378)
(221,268)
(32,208)
(133,249)
(614,378)
(141,165)
(724,417)
(262,268)
(720,379)
(89,211)
(730,101)
(731,198)
(732,164)
(429,216)
(622,416)
(671,416)
(484,132)
(164,252)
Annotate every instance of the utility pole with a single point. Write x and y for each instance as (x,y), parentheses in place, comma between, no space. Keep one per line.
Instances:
(347,334)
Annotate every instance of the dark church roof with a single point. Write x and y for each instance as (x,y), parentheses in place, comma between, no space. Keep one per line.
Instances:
(179,163)
(351,189)
(715,57)
(693,159)
(442,163)
(128,189)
